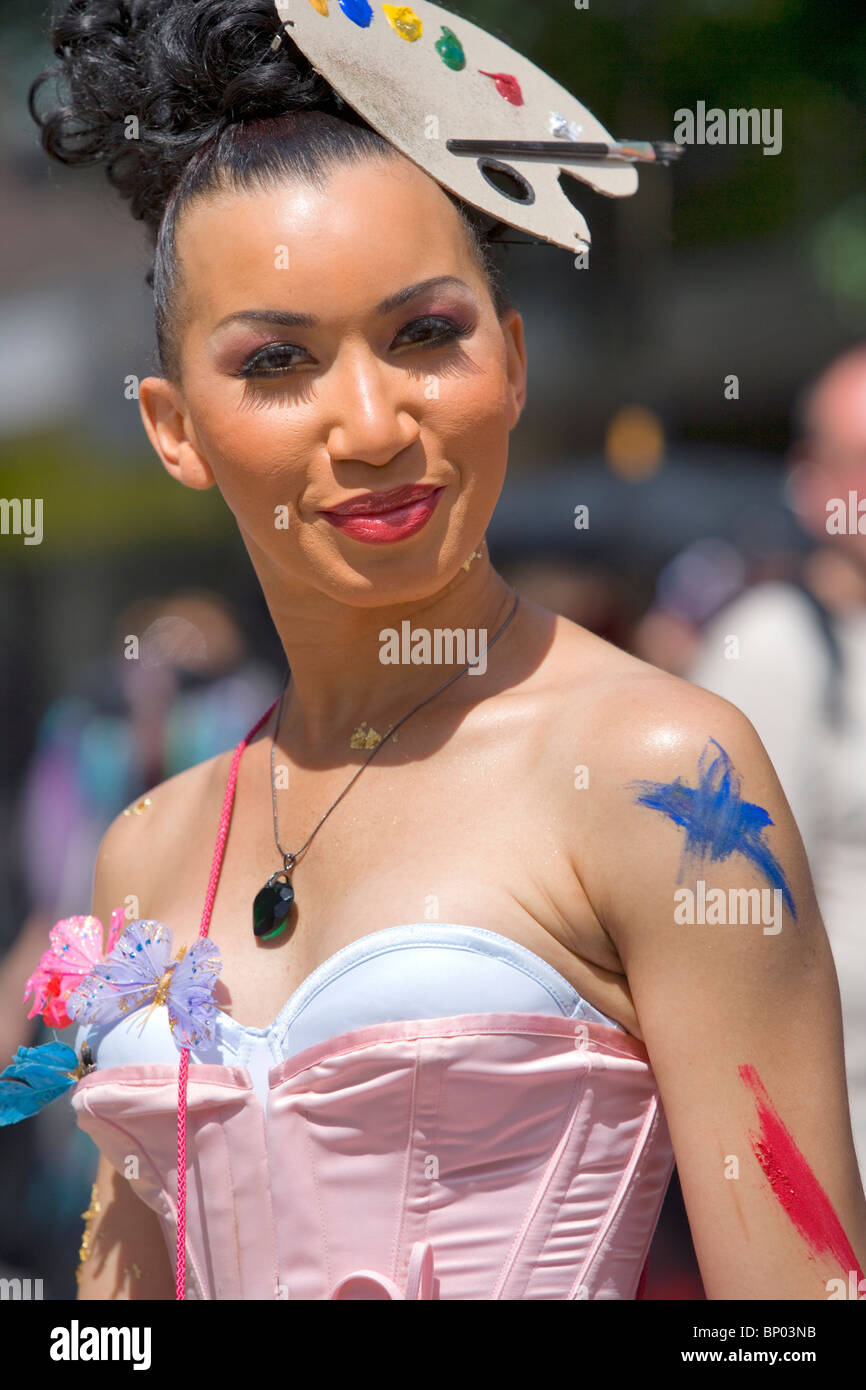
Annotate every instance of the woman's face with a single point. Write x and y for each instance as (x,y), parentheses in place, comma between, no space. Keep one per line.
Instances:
(319,365)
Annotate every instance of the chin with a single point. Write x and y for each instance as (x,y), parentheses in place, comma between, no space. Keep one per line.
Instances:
(392,575)
(411,567)
(412,581)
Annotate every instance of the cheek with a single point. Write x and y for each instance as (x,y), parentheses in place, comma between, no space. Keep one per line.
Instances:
(257,458)
(475,440)
(260,455)
(471,415)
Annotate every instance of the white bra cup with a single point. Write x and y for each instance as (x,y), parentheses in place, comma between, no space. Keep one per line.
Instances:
(420,970)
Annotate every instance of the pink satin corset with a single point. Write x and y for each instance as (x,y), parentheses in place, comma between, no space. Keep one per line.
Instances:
(413,1149)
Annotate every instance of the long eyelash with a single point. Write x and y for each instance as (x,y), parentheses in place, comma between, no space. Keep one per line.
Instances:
(249,372)
(294,390)
(451,330)
(258,395)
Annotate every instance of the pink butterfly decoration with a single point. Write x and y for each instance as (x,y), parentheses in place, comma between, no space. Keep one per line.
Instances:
(76,948)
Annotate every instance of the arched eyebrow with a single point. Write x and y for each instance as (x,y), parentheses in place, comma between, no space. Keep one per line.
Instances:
(386,306)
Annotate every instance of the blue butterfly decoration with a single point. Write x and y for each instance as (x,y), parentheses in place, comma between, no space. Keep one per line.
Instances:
(38,1075)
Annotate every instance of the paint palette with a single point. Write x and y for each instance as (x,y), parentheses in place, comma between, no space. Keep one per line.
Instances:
(422,76)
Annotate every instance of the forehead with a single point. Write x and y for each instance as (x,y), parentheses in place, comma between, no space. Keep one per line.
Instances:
(371,228)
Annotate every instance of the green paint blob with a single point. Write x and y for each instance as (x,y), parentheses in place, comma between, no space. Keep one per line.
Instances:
(450,50)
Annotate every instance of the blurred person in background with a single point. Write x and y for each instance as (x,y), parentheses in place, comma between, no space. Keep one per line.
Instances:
(176,687)
(691,588)
(792,657)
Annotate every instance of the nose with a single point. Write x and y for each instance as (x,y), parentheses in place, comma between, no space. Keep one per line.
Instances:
(371,417)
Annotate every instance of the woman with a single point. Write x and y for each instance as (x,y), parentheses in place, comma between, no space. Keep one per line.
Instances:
(514,973)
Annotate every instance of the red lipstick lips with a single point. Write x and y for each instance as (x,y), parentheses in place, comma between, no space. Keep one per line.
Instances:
(377,517)
(370,503)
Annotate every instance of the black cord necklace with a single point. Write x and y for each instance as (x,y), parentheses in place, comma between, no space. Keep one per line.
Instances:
(273,903)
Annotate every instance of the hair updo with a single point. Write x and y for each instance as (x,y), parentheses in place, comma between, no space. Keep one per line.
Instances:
(180,98)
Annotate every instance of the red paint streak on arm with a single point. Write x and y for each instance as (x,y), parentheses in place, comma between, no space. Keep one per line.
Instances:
(794,1184)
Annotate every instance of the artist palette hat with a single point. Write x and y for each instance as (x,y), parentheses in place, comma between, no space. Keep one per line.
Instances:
(485,122)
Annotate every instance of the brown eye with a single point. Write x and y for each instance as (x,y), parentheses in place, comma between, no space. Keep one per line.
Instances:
(271,361)
(434,331)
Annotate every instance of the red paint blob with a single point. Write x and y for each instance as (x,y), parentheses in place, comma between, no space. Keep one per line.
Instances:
(793,1182)
(507,86)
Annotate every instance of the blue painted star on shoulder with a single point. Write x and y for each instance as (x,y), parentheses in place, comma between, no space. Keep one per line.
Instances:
(716,819)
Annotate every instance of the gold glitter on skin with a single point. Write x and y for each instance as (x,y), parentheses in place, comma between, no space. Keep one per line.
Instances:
(138,807)
(365,737)
(89,1216)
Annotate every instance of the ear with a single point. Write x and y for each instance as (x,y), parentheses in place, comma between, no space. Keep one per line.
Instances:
(512,328)
(166,420)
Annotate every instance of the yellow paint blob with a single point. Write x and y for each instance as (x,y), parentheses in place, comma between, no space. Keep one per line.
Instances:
(320,6)
(404,20)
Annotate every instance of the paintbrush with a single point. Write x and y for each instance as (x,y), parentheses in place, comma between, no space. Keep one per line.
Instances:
(574,151)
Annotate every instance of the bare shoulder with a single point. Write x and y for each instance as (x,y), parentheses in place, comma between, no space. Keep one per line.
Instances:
(644,767)
(614,728)
(139,841)
(629,715)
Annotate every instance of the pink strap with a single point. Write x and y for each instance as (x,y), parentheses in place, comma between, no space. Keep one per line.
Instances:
(216,865)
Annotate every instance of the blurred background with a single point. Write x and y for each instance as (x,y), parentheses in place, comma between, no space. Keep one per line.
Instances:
(697,407)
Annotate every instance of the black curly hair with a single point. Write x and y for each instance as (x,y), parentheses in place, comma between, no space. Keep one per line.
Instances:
(180,98)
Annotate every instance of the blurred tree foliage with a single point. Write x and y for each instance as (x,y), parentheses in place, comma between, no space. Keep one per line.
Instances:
(635,62)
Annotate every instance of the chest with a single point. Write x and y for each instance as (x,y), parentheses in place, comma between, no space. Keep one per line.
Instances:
(460,831)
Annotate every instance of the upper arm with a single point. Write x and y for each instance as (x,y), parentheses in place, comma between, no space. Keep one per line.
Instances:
(126,1255)
(742,1022)
(141,850)
(128,1258)
(120,864)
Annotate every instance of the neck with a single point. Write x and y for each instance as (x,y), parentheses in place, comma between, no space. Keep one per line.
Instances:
(333,650)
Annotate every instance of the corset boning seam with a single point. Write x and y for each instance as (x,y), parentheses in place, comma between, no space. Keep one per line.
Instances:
(658,1120)
(543,1185)
(618,1201)
(314,1171)
(269,1198)
(169,1213)
(411,1140)
(434,1129)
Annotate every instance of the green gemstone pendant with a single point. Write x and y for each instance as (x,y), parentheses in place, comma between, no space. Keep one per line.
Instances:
(272,906)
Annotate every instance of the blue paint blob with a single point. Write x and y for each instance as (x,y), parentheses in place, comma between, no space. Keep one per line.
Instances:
(358,11)
(715,818)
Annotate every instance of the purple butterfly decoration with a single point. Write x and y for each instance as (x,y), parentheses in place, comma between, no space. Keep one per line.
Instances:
(139,971)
